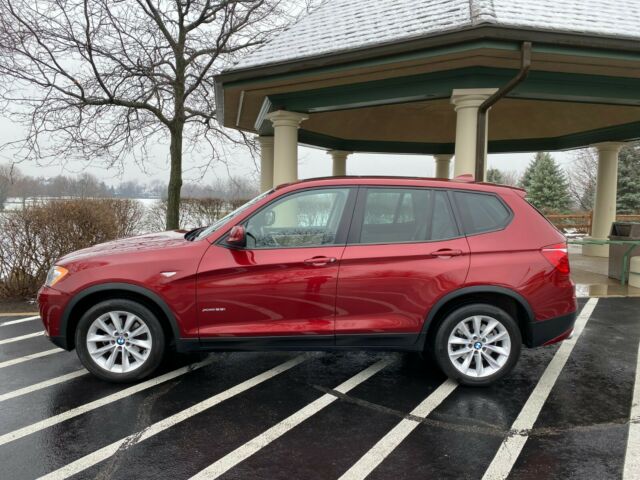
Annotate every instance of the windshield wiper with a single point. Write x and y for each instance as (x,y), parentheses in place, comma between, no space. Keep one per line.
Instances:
(192,234)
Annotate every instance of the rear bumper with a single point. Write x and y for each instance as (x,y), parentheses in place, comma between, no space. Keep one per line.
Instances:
(550,331)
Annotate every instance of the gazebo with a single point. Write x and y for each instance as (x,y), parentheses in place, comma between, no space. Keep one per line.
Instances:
(411,76)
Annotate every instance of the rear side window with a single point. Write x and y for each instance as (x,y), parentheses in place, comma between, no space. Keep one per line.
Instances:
(481,212)
(397,215)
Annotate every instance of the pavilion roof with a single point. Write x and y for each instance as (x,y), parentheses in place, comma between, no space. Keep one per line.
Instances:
(339,26)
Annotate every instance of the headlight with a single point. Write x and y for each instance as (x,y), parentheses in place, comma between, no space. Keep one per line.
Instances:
(55,274)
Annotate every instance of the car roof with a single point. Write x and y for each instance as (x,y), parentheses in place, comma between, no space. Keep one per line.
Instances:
(464,182)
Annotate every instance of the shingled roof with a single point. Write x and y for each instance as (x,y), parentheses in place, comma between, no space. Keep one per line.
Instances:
(343,25)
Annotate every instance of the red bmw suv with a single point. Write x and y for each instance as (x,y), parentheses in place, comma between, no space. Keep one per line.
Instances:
(465,271)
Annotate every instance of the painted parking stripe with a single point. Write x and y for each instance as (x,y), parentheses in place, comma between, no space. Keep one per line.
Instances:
(257,443)
(387,444)
(21,337)
(511,446)
(32,356)
(20,320)
(102,454)
(40,385)
(632,456)
(101,402)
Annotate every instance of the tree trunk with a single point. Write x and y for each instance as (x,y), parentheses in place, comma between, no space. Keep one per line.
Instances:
(175,178)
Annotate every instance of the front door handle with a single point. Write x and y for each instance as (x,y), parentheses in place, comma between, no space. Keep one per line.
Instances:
(319,261)
(446,253)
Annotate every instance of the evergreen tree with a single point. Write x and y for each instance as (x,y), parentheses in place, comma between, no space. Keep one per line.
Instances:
(495,176)
(546,184)
(629,179)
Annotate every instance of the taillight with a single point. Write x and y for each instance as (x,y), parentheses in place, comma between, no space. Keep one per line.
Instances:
(558,256)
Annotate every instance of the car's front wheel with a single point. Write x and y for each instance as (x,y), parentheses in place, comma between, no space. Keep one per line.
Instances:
(120,341)
(477,344)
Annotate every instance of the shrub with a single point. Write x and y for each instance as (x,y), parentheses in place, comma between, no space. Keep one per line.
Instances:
(35,237)
(194,212)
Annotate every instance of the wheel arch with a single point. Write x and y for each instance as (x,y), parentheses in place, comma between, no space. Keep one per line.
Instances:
(510,301)
(88,297)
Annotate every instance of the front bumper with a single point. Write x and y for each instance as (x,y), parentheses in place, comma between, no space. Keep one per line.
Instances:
(546,332)
(52,303)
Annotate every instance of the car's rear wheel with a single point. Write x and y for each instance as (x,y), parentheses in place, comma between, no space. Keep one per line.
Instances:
(120,341)
(477,344)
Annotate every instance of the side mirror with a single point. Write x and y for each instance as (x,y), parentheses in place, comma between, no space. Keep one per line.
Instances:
(237,236)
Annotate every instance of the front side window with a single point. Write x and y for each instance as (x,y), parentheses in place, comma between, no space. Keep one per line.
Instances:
(481,212)
(304,219)
(397,215)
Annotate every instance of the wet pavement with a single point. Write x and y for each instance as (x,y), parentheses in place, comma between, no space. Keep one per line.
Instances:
(327,415)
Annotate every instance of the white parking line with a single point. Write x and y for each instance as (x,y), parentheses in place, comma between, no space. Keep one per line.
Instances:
(511,447)
(40,385)
(265,438)
(632,456)
(87,407)
(106,452)
(32,356)
(21,337)
(20,320)
(387,444)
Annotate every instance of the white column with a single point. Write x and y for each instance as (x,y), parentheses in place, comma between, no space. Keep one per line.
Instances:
(467,102)
(443,165)
(266,163)
(604,209)
(285,146)
(339,162)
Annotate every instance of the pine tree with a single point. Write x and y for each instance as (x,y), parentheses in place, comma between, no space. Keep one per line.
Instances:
(546,184)
(629,179)
(495,176)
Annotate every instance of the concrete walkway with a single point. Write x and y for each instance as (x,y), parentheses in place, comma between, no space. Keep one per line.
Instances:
(590,275)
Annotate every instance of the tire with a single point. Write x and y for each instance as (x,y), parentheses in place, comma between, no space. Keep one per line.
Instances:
(459,360)
(133,355)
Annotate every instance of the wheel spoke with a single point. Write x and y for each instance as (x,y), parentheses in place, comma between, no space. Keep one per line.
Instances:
(104,327)
(489,327)
(479,366)
(138,331)
(497,337)
(98,338)
(498,350)
(467,361)
(128,322)
(137,355)
(115,318)
(125,360)
(112,358)
(465,330)
(491,361)
(99,351)
(459,353)
(140,343)
(476,325)
(458,341)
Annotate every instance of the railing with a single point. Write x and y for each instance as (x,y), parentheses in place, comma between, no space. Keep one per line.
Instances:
(581,222)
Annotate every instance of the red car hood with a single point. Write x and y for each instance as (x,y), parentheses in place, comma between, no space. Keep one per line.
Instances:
(151,241)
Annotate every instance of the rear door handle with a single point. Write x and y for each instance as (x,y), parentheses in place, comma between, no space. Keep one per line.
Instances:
(446,252)
(319,261)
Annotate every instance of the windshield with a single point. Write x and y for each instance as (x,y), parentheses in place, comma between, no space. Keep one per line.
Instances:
(212,228)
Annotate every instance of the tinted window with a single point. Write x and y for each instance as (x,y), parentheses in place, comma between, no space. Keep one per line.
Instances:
(481,212)
(395,215)
(305,219)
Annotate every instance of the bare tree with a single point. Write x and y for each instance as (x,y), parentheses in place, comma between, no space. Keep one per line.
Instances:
(582,178)
(108,79)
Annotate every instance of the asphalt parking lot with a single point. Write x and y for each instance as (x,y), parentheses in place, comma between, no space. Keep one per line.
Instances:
(566,411)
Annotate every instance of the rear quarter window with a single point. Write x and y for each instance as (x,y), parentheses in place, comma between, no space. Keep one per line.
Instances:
(482,212)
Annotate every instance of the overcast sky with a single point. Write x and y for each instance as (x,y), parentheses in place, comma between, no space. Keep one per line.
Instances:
(313,163)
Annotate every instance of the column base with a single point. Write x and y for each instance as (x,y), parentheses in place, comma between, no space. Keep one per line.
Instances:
(595,250)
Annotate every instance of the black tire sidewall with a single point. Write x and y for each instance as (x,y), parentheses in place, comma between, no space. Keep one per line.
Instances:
(157,337)
(440,346)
